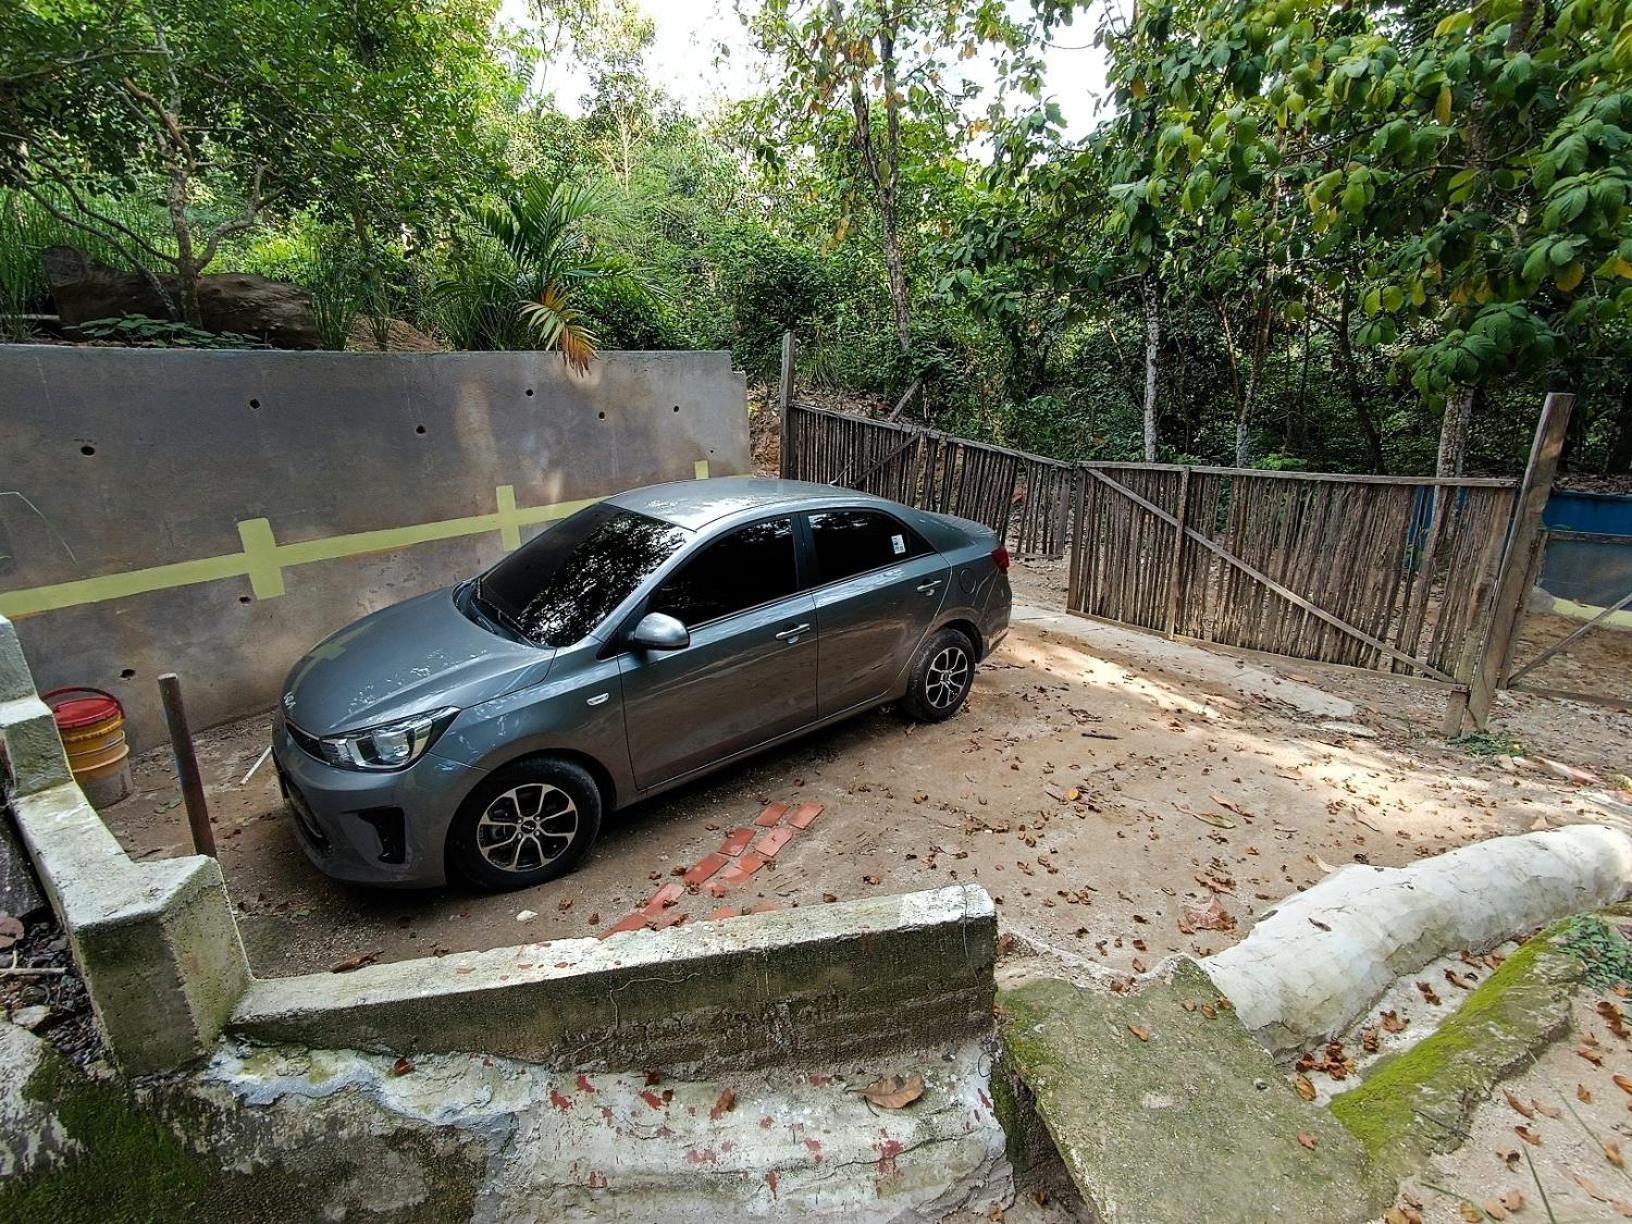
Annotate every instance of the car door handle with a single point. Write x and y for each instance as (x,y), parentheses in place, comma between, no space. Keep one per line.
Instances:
(930,587)
(794,632)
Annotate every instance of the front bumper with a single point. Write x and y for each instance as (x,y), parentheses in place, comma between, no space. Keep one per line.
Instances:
(386,828)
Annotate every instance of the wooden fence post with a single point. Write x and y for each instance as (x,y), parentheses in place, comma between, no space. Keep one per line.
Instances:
(784,402)
(1079,545)
(1175,573)
(1513,574)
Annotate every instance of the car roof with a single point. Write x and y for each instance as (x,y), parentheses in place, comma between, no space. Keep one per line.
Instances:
(695,504)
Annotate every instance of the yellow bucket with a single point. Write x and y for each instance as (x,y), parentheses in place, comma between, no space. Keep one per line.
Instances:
(92,726)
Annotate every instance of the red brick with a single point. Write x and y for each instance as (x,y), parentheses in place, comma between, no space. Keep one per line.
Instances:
(705,867)
(805,815)
(737,842)
(772,813)
(633,922)
(772,842)
(669,920)
(764,907)
(725,911)
(715,889)
(663,898)
(742,868)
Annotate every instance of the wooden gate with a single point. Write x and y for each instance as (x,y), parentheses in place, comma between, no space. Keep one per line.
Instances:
(1390,573)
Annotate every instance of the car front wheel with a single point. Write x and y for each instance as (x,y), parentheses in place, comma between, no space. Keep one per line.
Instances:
(941,676)
(530,822)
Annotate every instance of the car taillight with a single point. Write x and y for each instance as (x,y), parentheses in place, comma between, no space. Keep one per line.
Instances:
(1000,558)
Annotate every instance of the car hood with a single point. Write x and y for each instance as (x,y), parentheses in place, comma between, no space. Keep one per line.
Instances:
(419,655)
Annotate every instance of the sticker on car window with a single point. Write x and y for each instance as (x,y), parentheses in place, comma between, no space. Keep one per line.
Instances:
(898,543)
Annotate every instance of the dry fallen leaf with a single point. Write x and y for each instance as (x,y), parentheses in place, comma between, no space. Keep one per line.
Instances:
(1513,1201)
(1583,1094)
(1519,1106)
(1593,1192)
(1306,1090)
(1621,1082)
(1494,1209)
(1510,1158)
(1546,1111)
(402,1067)
(1592,1056)
(1469,1212)
(723,1106)
(1142,1033)
(1612,1153)
(356,961)
(1528,1135)
(1308,1140)
(893,1092)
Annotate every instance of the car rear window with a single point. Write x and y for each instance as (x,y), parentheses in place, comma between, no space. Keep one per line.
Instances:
(752,566)
(558,586)
(855,541)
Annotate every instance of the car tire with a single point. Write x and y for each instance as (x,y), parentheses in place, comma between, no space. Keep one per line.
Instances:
(541,814)
(941,677)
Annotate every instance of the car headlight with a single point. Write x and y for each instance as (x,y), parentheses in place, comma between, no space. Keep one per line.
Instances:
(393,745)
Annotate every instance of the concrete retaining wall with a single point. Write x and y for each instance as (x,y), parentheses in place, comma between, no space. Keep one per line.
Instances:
(215,513)
(812,987)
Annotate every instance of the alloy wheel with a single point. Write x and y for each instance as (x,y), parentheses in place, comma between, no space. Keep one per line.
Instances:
(947,677)
(526,827)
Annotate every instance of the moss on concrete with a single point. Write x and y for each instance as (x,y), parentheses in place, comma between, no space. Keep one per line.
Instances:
(1417,1103)
(160,1152)
(1163,1108)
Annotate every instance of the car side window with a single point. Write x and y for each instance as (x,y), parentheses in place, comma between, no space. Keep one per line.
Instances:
(852,542)
(753,565)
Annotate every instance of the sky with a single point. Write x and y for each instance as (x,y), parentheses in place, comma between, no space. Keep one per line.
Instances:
(686,63)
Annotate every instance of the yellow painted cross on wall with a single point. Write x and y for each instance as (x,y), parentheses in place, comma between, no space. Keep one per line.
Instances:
(263,559)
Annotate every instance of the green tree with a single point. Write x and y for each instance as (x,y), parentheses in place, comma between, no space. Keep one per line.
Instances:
(224,110)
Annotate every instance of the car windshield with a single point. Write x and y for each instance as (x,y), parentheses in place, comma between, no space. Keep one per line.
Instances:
(558,586)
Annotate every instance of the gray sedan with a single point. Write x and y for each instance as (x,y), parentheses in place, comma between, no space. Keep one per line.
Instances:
(485,730)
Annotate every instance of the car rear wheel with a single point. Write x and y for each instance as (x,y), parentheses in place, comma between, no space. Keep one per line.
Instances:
(530,822)
(941,676)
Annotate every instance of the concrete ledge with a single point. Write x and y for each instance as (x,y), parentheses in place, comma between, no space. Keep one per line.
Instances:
(156,942)
(811,986)
(1317,961)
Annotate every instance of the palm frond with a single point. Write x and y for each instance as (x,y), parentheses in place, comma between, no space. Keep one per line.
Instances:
(559,324)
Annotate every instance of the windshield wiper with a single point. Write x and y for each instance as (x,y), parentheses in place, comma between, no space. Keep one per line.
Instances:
(495,613)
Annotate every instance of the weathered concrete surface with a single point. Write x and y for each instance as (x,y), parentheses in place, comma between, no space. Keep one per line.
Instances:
(1194,1122)
(1417,1103)
(293,1134)
(801,987)
(31,1133)
(127,459)
(155,942)
(1318,960)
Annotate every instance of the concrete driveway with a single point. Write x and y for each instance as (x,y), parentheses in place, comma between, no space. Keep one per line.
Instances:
(1121,797)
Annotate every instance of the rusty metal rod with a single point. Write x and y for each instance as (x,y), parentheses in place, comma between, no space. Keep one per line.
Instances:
(192,784)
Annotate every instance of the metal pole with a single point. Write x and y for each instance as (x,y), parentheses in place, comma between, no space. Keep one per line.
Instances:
(192,784)
(784,401)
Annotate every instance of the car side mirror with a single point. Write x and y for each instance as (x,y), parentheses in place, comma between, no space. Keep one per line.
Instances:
(660,631)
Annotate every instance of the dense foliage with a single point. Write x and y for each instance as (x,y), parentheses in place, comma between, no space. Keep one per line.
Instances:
(1366,236)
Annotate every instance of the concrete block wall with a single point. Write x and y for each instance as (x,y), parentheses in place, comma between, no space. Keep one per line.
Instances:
(216,513)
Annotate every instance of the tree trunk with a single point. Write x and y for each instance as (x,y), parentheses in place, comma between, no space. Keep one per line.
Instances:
(187,269)
(1153,354)
(889,196)
(1351,384)
(1453,431)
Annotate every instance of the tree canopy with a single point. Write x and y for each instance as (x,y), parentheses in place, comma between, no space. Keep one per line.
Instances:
(1362,236)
